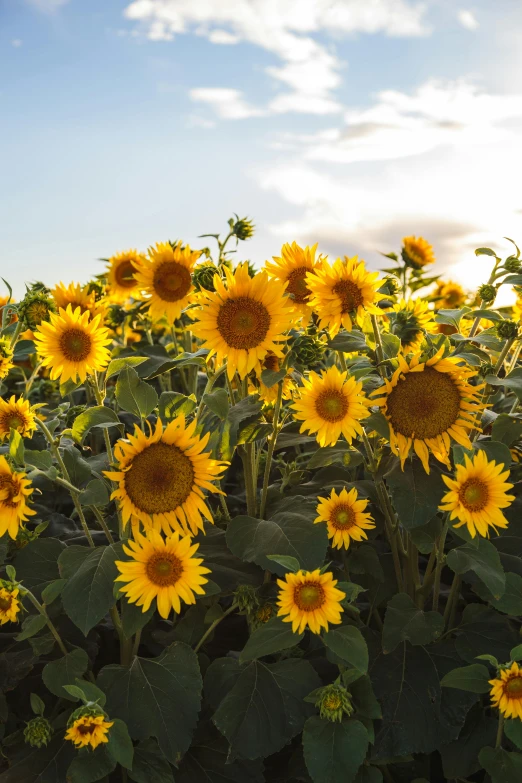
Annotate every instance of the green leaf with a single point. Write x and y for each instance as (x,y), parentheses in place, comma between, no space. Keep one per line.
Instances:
(391,345)
(334,751)
(37,705)
(269,638)
(16,447)
(135,395)
(95,494)
(270,377)
(484,561)
(39,459)
(91,765)
(512,381)
(30,626)
(498,452)
(330,455)
(460,758)
(485,251)
(150,765)
(37,563)
(503,767)
(404,621)
(64,671)
(289,563)
(483,631)
(157,697)
(241,415)
(349,342)
(513,731)
(88,595)
(474,678)
(264,709)
(506,429)
(133,618)
(364,699)
(87,691)
(48,764)
(207,762)
(416,495)
(516,653)
(120,744)
(217,402)
(99,416)
(117,365)
(511,600)
(379,423)
(348,643)
(172,404)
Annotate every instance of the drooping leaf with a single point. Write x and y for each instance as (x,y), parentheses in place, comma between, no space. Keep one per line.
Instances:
(511,600)
(473,678)
(460,758)
(269,638)
(416,495)
(483,630)
(37,563)
(64,671)
(99,416)
(207,760)
(150,765)
(404,621)
(334,751)
(217,402)
(172,404)
(347,642)
(117,365)
(135,395)
(503,767)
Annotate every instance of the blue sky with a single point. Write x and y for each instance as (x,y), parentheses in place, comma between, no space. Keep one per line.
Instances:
(345,122)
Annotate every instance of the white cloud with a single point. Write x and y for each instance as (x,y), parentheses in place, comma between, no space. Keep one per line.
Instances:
(227,103)
(468,20)
(222,37)
(16,42)
(195,121)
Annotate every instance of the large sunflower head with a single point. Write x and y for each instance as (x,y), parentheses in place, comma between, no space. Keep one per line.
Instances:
(6,356)
(506,691)
(409,320)
(243,320)
(310,598)
(477,493)
(343,293)
(16,415)
(345,517)
(15,491)
(331,404)
(76,295)
(427,404)
(9,605)
(166,279)
(292,268)
(162,569)
(90,730)
(121,275)
(417,252)
(72,344)
(161,477)
(449,295)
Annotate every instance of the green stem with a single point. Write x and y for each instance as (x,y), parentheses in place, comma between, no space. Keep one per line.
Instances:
(379,348)
(476,322)
(342,361)
(208,388)
(29,382)
(451,605)
(246,458)
(213,626)
(500,730)
(438,567)
(99,516)
(270,450)
(36,603)
(136,645)
(108,446)
(16,334)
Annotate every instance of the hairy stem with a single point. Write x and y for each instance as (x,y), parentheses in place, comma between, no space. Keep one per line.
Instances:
(271,448)
(214,625)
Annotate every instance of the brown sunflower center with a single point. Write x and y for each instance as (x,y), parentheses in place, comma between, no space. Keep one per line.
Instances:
(474,494)
(160,478)
(124,274)
(12,421)
(349,294)
(343,517)
(86,728)
(424,404)
(331,405)
(513,688)
(5,604)
(264,614)
(297,284)
(171,281)
(271,362)
(243,322)
(333,701)
(164,569)
(75,345)
(8,491)
(309,596)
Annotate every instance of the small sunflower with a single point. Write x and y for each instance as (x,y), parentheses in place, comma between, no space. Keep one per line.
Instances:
(165,570)
(243,321)
(417,252)
(16,415)
(292,268)
(449,295)
(15,491)
(9,605)
(269,393)
(72,344)
(6,356)
(310,598)
(342,294)
(76,295)
(121,275)
(427,404)
(166,279)
(345,517)
(506,692)
(409,320)
(477,493)
(89,730)
(331,404)
(161,477)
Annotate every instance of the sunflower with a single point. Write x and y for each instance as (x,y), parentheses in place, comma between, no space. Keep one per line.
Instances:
(76,295)
(330,404)
(6,356)
(417,252)
(5,300)
(269,393)
(15,490)
(244,320)
(345,517)
(343,293)
(409,320)
(72,344)
(121,275)
(16,415)
(477,493)
(9,605)
(161,477)
(310,598)
(292,268)
(166,279)
(427,404)
(506,693)
(89,730)
(162,569)
(449,295)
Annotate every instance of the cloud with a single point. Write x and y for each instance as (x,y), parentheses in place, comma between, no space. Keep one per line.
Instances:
(467,20)
(16,42)
(47,6)
(226,102)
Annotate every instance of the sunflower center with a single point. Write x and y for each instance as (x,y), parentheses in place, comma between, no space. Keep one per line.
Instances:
(424,404)
(164,569)
(474,494)
(264,614)
(309,596)
(5,604)
(75,345)
(8,486)
(243,322)
(271,362)
(160,478)
(86,728)
(171,281)
(333,702)
(37,312)
(349,294)
(513,687)
(331,405)
(343,517)
(124,274)
(297,284)
(12,421)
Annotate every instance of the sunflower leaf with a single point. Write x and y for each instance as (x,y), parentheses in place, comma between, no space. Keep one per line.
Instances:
(404,621)
(334,751)
(134,395)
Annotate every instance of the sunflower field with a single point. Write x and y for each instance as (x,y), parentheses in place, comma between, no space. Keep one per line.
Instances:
(262,523)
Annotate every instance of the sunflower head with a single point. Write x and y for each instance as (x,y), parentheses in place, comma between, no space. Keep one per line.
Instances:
(121,275)
(345,517)
(487,293)
(165,277)
(477,494)
(203,276)
(409,320)
(6,356)
(9,603)
(15,491)
(506,691)
(35,307)
(417,252)
(38,732)
(242,228)
(449,295)
(310,598)
(16,415)
(292,268)
(308,350)
(88,727)
(76,295)
(507,330)
(334,702)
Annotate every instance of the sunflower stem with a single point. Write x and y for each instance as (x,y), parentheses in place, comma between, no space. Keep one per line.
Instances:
(36,603)
(342,361)
(136,644)
(29,382)
(16,334)
(379,348)
(99,516)
(213,626)
(438,567)
(211,380)
(270,450)
(500,730)
(476,322)
(451,605)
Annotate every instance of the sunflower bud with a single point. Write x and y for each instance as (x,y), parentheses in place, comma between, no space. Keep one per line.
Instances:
(308,350)
(487,292)
(507,330)
(390,286)
(38,732)
(246,598)
(512,264)
(334,702)
(115,316)
(242,228)
(203,277)
(35,307)
(262,615)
